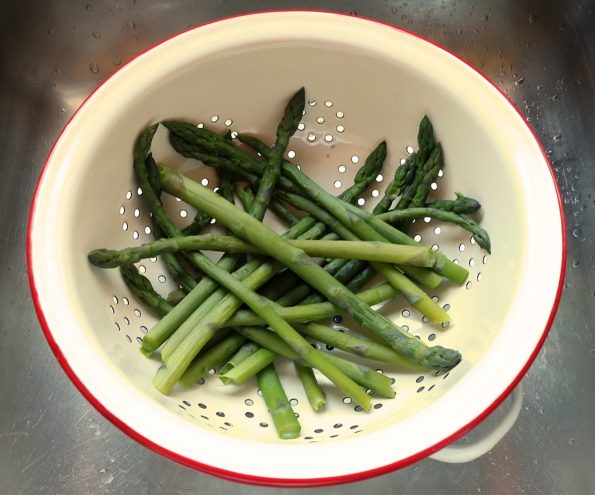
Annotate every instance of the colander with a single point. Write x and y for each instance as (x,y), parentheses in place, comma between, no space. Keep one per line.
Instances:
(365,82)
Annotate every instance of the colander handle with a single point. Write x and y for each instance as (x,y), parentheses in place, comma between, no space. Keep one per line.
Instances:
(477,448)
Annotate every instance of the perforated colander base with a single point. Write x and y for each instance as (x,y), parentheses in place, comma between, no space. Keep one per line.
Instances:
(326,150)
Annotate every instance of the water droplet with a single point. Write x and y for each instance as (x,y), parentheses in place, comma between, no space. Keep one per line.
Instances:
(132,25)
(556,97)
(519,81)
(51,31)
(89,7)
(531,18)
(94,68)
(576,232)
(96,35)
(575,263)
(557,137)
(106,476)
(485,18)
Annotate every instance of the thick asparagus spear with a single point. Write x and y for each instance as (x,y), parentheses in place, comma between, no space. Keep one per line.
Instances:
(480,234)
(284,419)
(295,259)
(362,250)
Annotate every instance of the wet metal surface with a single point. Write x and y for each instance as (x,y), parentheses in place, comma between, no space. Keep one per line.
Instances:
(52,54)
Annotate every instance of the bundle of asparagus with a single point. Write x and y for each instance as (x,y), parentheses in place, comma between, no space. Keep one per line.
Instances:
(266,297)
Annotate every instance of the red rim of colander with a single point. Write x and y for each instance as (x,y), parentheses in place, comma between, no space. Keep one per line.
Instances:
(293,482)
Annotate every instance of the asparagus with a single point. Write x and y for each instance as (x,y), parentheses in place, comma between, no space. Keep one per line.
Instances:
(314,393)
(174,266)
(315,311)
(284,419)
(403,177)
(480,234)
(417,297)
(461,205)
(361,374)
(295,259)
(142,288)
(286,128)
(363,250)
(356,345)
(211,358)
(445,267)
(175,296)
(243,352)
(430,174)
(167,376)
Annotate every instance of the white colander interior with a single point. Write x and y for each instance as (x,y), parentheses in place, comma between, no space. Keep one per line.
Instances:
(359,92)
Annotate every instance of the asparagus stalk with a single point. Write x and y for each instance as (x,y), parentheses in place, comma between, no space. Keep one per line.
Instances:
(175,296)
(286,128)
(480,234)
(362,250)
(356,344)
(359,373)
(142,288)
(314,393)
(462,205)
(243,352)
(295,259)
(403,177)
(284,419)
(211,358)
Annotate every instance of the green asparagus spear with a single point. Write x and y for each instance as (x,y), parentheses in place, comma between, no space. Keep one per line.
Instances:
(211,358)
(462,205)
(243,352)
(403,176)
(295,259)
(364,250)
(480,234)
(286,128)
(141,287)
(314,393)
(356,344)
(284,419)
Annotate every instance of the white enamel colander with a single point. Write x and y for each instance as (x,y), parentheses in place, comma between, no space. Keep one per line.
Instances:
(365,82)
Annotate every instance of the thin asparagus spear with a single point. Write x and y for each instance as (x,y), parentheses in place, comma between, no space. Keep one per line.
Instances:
(245,194)
(142,288)
(314,393)
(286,128)
(359,373)
(283,213)
(355,344)
(461,205)
(175,296)
(211,358)
(480,234)
(403,176)
(243,352)
(284,419)
(313,312)
(353,249)
(256,233)
(431,170)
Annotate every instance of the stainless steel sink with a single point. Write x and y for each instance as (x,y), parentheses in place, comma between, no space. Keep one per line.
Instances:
(53,53)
